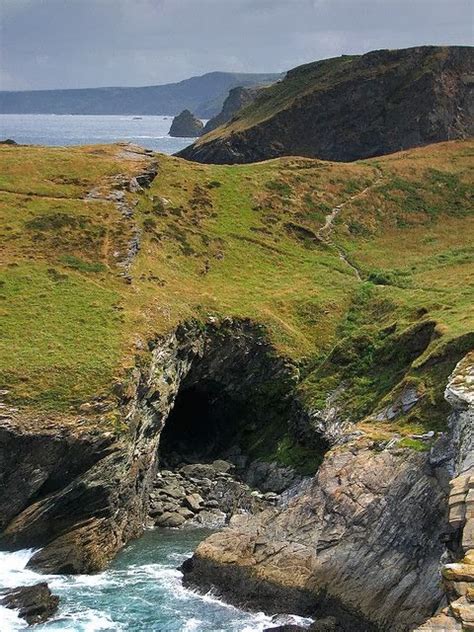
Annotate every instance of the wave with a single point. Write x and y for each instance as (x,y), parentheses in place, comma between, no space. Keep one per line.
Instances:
(136,597)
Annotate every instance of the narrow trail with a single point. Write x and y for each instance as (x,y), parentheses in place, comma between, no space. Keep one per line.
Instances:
(324,233)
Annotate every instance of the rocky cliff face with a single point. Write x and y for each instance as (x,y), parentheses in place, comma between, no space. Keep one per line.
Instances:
(364,541)
(186,125)
(83,507)
(458,569)
(237,99)
(353,107)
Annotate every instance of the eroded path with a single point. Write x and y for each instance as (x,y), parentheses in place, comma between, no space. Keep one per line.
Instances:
(325,231)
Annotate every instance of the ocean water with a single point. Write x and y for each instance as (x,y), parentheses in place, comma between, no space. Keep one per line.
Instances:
(140,592)
(59,130)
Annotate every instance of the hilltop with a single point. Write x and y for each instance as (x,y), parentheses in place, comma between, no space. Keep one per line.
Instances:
(203,95)
(352,107)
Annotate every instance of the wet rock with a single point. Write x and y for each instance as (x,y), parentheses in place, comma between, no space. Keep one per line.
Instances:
(35,603)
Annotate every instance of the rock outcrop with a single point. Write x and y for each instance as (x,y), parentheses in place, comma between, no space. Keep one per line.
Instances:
(83,516)
(186,125)
(458,572)
(237,99)
(353,107)
(364,542)
(34,603)
(323,553)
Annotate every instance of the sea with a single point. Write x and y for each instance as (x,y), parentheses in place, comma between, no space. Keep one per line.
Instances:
(71,129)
(141,591)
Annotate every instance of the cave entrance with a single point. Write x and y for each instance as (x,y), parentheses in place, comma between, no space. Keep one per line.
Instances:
(204,424)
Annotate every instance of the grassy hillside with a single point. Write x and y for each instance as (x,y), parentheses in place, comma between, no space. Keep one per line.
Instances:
(369,298)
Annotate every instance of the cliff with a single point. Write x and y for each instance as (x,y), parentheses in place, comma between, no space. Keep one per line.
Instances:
(258,301)
(352,107)
(237,99)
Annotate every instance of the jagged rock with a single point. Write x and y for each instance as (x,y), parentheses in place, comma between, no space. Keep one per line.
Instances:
(237,98)
(35,603)
(342,533)
(186,125)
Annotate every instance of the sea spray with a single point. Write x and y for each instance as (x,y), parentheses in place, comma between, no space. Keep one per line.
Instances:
(140,592)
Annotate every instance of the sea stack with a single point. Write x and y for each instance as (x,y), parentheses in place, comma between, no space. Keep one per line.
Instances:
(186,125)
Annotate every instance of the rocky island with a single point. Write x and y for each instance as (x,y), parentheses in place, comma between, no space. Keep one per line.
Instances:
(186,125)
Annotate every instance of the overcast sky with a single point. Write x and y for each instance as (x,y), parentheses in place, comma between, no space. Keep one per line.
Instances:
(82,43)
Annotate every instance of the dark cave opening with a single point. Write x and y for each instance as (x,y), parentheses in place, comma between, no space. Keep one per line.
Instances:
(204,424)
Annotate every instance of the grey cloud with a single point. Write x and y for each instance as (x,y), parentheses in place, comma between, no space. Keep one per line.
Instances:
(77,43)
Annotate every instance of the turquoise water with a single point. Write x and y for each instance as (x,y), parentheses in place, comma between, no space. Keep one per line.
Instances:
(140,592)
(68,129)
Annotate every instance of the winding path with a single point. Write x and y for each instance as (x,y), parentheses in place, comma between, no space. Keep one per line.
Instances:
(324,233)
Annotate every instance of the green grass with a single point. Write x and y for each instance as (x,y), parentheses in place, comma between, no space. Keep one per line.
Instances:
(239,241)
(60,336)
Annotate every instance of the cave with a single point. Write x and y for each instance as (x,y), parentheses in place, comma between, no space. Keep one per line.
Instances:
(204,424)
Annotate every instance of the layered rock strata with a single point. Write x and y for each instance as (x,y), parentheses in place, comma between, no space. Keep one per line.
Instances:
(364,541)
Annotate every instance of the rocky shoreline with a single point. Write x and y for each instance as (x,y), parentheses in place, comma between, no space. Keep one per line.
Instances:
(365,542)
(361,543)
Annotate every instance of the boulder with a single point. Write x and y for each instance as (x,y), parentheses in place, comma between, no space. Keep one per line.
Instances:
(169,519)
(194,502)
(186,125)
(35,603)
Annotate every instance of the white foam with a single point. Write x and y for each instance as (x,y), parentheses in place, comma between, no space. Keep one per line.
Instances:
(10,621)
(192,624)
(13,571)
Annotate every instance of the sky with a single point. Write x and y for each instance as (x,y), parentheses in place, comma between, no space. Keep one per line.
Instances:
(88,43)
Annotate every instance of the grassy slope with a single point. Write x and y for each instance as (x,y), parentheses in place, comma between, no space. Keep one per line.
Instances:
(241,241)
